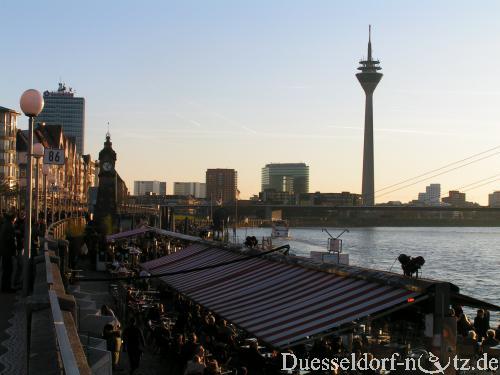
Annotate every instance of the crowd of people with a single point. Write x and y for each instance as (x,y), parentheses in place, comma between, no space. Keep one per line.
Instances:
(194,341)
(191,339)
(477,333)
(12,226)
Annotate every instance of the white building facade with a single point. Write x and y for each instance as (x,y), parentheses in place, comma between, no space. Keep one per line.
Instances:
(196,189)
(494,199)
(150,187)
(432,195)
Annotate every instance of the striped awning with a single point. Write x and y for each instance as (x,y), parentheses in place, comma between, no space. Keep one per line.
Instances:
(279,303)
(145,229)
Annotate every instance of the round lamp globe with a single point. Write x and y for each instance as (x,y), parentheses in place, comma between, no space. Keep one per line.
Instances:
(31,102)
(38,150)
(46,169)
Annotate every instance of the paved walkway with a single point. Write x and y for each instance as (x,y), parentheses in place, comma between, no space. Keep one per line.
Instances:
(12,334)
(151,364)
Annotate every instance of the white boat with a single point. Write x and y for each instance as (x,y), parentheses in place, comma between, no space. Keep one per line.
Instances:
(334,254)
(280,229)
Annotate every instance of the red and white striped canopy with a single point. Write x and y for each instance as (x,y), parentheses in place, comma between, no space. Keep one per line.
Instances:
(278,303)
(126,234)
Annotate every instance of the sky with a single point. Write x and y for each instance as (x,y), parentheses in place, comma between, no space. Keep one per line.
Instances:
(190,85)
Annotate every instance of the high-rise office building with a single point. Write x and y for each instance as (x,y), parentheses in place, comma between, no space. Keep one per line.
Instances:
(195,189)
(290,178)
(8,132)
(494,199)
(221,185)
(369,79)
(62,107)
(150,187)
(432,195)
(456,199)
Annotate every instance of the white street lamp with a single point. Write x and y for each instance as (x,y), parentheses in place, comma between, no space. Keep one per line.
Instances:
(45,172)
(38,151)
(31,104)
(52,182)
(65,201)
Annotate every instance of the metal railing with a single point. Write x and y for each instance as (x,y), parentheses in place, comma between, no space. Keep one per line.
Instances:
(139,209)
(48,268)
(58,229)
(65,349)
(70,365)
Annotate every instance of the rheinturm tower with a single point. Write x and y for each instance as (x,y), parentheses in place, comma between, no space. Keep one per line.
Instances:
(369,79)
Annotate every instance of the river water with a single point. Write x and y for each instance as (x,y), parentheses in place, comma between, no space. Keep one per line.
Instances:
(467,257)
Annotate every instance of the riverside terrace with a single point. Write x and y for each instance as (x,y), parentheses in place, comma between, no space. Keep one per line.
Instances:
(286,301)
(271,302)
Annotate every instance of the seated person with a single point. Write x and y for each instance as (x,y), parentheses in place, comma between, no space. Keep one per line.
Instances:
(490,339)
(471,341)
(255,360)
(357,344)
(156,312)
(130,298)
(212,368)
(106,311)
(195,366)
(122,269)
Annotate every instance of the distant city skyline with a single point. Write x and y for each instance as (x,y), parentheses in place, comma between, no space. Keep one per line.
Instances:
(150,187)
(237,85)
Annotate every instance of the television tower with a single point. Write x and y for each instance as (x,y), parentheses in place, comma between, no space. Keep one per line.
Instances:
(369,79)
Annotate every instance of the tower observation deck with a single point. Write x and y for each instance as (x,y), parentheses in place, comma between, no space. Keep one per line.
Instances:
(369,77)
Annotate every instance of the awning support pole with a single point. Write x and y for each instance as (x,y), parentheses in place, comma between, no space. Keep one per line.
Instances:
(444,328)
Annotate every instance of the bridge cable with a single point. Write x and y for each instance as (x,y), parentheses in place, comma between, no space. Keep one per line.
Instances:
(438,169)
(436,175)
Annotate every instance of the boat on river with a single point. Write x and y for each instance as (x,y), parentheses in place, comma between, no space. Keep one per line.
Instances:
(280,229)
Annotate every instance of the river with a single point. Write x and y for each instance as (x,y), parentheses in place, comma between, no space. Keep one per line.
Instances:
(467,257)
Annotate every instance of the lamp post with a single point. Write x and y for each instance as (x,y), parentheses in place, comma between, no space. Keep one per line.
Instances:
(45,171)
(38,151)
(65,201)
(52,182)
(31,104)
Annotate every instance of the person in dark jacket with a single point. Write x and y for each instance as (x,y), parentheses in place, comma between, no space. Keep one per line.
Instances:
(481,324)
(490,339)
(19,230)
(134,342)
(7,251)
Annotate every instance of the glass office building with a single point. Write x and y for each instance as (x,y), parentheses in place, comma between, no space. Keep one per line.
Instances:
(62,107)
(291,178)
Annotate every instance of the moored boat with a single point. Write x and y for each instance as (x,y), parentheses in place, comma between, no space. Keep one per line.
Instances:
(280,229)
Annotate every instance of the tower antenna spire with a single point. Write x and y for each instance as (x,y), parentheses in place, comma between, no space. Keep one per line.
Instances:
(108,134)
(369,42)
(369,77)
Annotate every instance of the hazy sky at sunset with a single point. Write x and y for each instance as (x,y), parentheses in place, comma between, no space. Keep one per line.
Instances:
(191,85)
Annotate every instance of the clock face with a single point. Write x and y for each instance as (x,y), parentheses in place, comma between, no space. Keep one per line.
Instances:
(107,166)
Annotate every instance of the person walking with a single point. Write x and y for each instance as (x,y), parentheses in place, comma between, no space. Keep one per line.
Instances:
(113,343)
(18,256)
(134,344)
(7,251)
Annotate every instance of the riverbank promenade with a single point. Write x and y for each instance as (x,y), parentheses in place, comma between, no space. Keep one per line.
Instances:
(151,363)
(12,334)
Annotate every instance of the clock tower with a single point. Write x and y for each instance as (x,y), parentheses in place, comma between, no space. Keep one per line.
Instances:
(106,205)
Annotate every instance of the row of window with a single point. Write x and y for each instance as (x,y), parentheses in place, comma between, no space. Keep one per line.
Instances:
(6,144)
(8,171)
(7,158)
